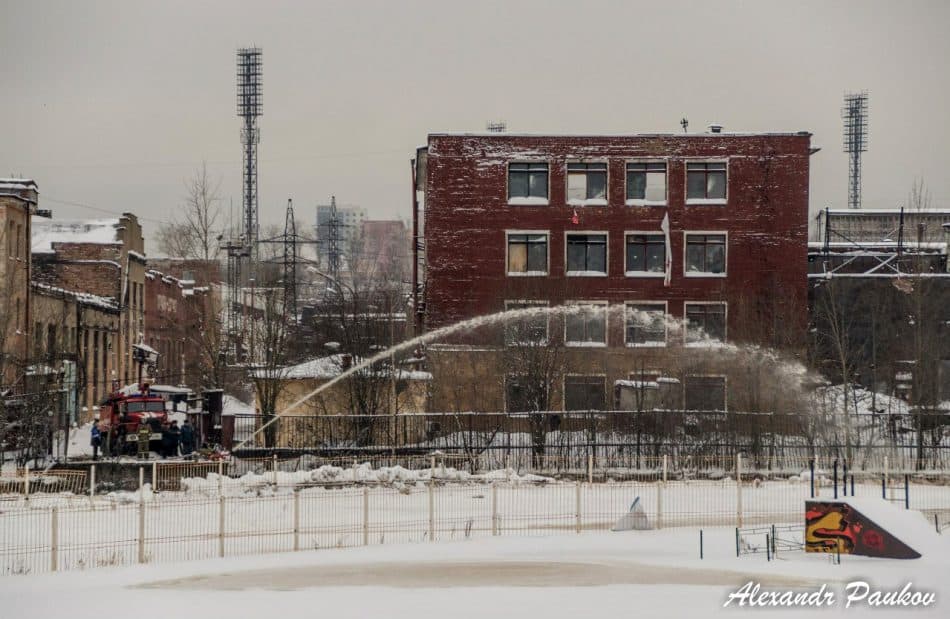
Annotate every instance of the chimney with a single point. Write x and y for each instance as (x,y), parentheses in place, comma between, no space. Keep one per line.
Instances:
(715,128)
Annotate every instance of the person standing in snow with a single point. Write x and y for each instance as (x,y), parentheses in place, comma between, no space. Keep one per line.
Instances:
(95,439)
(174,438)
(187,438)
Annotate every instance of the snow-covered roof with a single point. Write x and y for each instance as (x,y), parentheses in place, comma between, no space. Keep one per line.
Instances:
(93,231)
(330,367)
(649,134)
(17,183)
(82,297)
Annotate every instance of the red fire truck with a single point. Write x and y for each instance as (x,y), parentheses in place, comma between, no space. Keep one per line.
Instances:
(125,410)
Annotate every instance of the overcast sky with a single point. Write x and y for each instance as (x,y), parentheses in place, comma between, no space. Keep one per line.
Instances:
(113,104)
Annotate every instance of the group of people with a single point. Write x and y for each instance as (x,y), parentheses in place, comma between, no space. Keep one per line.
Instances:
(175,439)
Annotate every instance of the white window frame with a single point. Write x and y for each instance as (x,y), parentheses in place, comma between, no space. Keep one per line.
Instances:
(725,257)
(588,201)
(606,236)
(707,343)
(578,344)
(626,271)
(644,202)
(547,322)
(530,201)
(583,374)
(704,201)
(666,324)
(545,273)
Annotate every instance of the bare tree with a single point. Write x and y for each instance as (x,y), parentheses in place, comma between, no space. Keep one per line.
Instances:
(194,234)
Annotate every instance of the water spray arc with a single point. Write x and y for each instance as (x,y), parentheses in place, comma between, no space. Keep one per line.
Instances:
(472,323)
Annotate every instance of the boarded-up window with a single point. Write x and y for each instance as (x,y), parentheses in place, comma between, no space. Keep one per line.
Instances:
(584,393)
(705,393)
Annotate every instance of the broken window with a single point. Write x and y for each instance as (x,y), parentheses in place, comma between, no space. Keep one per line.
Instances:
(531,329)
(705,393)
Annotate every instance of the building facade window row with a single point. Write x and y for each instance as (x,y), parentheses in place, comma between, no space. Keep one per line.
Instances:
(645,324)
(583,392)
(646,182)
(645,254)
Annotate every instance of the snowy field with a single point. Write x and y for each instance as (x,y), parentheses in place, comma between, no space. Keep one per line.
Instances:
(595,574)
(324,509)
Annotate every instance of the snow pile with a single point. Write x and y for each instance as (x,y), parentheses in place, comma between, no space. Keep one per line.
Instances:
(821,477)
(394,476)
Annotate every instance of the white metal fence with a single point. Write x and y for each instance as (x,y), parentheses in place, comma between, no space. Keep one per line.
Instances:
(278,512)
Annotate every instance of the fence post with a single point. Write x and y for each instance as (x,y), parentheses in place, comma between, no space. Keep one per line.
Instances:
(665,467)
(431,468)
(906,491)
(54,539)
(431,511)
(577,504)
(141,521)
(366,515)
(26,481)
(659,503)
(811,469)
(141,481)
(220,478)
(883,486)
(590,469)
(274,469)
(494,509)
(154,476)
(844,478)
(92,480)
(296,520)
(835,477)
(886,480)
(738,489)
(221,525)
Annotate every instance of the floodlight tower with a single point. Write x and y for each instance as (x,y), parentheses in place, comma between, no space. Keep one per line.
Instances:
(854,113)
(250,105)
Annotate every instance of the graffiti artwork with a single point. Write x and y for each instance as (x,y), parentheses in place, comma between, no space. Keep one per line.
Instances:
(839,527)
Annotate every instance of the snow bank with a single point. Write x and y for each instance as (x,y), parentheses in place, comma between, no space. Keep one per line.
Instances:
(395,476)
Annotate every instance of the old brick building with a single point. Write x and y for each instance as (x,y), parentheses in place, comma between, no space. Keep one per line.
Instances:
(104,258)
(180,323)
(18,200)
(708,231)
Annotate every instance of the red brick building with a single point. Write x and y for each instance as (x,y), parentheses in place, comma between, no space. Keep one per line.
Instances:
(556,219)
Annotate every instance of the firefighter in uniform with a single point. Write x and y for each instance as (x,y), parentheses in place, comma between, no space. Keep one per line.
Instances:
(144,435)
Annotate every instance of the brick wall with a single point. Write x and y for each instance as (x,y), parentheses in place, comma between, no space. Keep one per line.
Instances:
(766,217)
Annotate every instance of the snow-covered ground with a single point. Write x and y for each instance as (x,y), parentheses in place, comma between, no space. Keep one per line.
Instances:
(313,509)
(595,574)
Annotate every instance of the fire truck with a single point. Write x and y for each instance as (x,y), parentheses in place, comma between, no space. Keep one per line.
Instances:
(125,410)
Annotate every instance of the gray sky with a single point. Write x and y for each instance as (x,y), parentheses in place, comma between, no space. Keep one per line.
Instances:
(114,104)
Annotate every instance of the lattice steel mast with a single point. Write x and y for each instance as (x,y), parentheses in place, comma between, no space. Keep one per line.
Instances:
(249,108)
(854,113)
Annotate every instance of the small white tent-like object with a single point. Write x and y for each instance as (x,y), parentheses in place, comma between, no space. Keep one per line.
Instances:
(634,520)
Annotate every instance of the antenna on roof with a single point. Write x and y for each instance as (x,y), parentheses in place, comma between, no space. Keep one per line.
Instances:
(684,123)
(496,126)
